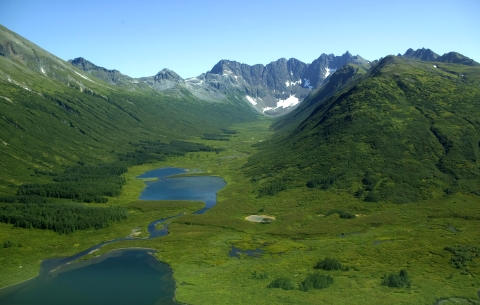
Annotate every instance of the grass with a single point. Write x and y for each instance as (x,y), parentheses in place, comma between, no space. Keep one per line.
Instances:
(292,245)
(301,174)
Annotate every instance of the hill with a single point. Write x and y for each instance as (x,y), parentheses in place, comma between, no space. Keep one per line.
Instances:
(54,115)
(404,131)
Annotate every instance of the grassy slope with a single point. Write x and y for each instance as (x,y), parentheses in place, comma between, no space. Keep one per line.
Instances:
(52,117)
(413,236)
(412,128)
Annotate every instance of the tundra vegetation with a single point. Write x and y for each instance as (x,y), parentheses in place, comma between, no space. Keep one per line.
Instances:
(397,144)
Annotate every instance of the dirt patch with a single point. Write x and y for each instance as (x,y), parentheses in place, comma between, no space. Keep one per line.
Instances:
(259,218)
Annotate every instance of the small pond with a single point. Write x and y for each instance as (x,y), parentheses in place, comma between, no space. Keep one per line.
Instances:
(236,252)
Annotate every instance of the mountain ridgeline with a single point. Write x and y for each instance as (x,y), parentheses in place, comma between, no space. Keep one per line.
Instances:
(403,131)
(273,89)
(54,115)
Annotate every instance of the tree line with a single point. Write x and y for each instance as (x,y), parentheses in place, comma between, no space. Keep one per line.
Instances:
(63,218)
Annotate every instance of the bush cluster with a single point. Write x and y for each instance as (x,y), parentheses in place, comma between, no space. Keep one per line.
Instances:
(284,283)
(463,256)
(397,280)
(341,214)
(312,281)
(316,281)
(329,264)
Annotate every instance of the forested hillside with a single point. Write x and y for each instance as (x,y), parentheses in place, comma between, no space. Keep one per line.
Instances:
(407,130)
(53,116)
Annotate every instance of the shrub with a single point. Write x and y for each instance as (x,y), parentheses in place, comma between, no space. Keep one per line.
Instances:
(342,214)
(329,264)
(371,197)
(463,256)
(283,282)
(397,280)
(7,244)
(266,220)
(316,281)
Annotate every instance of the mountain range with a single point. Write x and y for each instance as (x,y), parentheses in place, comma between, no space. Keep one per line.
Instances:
(369,166)
(273,89)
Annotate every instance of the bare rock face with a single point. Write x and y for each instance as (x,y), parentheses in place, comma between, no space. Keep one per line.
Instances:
(273,89)
(166,79)
(276,88)
(113,77)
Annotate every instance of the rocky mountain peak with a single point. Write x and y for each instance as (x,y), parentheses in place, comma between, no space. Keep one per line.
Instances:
(167,74)
(421,54)
(87,66)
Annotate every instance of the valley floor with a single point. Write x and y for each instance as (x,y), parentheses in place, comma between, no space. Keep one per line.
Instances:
(383,239)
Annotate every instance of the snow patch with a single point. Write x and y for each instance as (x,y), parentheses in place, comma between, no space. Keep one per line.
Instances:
(6,98)
(43,71)
(194,81)
(251,100)
(288,83)
(328,72)
(290,101)
(307,84)
(83,76)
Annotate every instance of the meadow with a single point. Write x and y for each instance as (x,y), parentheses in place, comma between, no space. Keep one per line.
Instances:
(382,239)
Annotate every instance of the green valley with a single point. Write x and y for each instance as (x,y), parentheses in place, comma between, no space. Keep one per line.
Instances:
(368,190)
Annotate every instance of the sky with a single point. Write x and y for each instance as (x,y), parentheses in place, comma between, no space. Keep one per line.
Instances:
(140,38)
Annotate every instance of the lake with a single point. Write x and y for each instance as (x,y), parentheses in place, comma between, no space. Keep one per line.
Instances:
(124,276)
(196,188)
(131,276)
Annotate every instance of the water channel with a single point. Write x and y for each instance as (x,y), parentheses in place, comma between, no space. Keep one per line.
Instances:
(124,276)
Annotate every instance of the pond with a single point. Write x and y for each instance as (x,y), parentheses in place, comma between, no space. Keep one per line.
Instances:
(126,276)
(196,188)
(132,276)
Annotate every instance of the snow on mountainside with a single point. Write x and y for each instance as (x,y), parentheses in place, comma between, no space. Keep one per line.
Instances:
(273,89)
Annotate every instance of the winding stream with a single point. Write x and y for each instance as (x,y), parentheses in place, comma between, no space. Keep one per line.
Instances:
(124,276)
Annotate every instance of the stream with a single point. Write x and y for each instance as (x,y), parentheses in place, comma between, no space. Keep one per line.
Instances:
(123,276)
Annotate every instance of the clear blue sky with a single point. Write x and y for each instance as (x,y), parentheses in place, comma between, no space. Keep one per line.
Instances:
(140,38)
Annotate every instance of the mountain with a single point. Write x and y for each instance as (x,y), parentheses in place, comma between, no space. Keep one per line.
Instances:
(457,58)
(402,131)
(54,114)
(274,89)
(429,55)
(113,77)
(421,54)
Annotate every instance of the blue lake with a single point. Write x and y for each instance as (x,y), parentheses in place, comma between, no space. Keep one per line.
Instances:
(130,276)
(196,188)
(126,276)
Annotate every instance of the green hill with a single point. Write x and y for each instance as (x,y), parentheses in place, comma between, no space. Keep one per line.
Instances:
(54,115)
(406,130)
